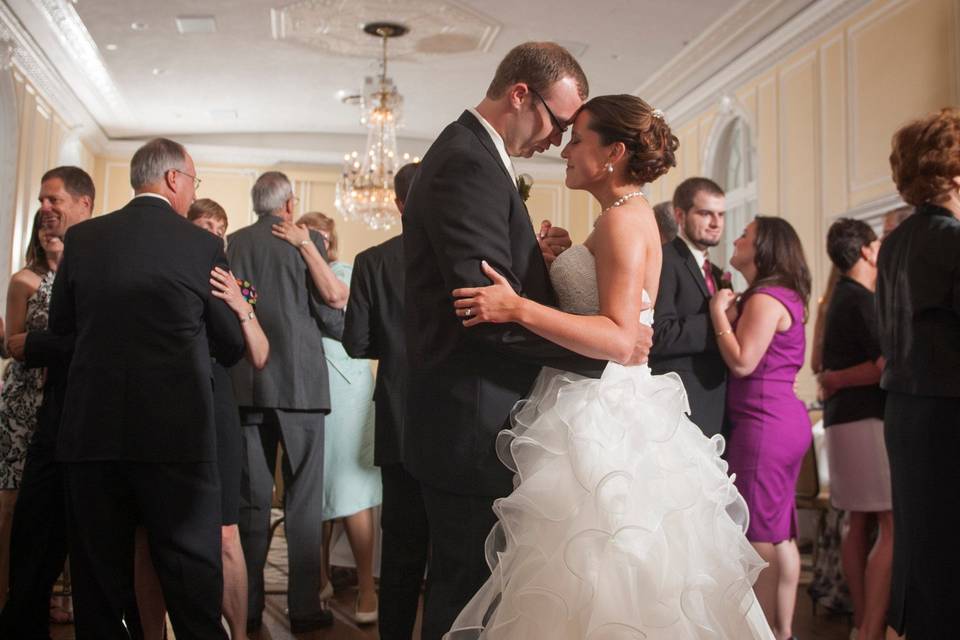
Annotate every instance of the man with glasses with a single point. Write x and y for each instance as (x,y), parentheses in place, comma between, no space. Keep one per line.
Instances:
(137,435)
(464,207)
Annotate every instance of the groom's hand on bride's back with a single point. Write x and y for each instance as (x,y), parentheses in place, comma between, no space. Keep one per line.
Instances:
(641,350)
(553,241)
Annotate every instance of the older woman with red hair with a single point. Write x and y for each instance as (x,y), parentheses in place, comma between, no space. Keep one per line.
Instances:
(918,304)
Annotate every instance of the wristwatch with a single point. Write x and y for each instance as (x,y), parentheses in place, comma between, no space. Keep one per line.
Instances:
(250,316)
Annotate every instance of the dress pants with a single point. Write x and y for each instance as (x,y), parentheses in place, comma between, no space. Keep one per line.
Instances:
(405,544)
(38,543)
(459,526)
(301,433)
(179,506)
(923,437)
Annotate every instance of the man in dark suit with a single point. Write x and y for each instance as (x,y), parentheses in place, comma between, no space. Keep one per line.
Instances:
(372,330)
(684,339)
(38,539)
(137,435)
(464,207)
(286,401)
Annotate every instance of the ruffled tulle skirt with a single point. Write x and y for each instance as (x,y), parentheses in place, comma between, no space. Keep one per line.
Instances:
(623,522)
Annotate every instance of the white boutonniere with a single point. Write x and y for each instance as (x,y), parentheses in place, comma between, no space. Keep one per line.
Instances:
(524,182)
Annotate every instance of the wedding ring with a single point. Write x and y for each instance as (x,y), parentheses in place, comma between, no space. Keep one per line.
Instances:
(468,312)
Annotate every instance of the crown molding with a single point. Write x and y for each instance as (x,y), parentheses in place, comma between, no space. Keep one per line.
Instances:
(30,60)
(810,22)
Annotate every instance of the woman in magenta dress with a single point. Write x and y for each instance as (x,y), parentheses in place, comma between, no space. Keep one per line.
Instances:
(761,338)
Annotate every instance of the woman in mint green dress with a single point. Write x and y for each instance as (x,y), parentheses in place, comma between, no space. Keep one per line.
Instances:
(351,482)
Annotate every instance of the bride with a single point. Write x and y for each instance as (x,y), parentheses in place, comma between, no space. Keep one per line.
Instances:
(623,522)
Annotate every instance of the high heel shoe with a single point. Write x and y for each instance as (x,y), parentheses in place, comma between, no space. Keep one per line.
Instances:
(364,617)
(327,592)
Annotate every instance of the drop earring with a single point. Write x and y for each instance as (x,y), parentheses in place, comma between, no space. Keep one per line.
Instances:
(609,167)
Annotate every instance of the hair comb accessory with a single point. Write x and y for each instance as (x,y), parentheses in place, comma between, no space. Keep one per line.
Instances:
(657,113)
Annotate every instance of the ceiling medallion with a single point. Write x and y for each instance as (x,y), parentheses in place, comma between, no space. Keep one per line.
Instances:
(365,188)
(436,26)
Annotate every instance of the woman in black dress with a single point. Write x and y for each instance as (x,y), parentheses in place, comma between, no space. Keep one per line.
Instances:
(853,417)
(918,305)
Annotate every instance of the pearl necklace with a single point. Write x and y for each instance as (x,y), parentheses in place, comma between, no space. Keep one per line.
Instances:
(616,203)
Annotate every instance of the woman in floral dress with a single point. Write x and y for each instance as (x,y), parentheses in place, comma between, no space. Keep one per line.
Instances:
(28,299)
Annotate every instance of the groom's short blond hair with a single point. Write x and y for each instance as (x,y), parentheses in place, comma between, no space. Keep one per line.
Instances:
(539,65)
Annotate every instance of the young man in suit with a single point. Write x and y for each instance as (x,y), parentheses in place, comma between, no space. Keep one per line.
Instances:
(137,435)
(684,339)
(464,207)
(371,330)
(38,540)
(286,400)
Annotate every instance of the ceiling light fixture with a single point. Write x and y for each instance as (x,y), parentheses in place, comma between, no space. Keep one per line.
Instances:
(365,188)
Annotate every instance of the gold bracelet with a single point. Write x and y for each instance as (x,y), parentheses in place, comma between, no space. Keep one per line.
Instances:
(723,333)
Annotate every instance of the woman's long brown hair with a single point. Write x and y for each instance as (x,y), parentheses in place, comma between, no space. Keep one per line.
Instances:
(779,259)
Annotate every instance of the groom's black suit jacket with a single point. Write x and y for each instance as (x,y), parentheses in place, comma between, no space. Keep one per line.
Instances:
(463,207)
(684,340)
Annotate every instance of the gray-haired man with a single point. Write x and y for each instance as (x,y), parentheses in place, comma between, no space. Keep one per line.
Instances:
(137,434)
(286,401)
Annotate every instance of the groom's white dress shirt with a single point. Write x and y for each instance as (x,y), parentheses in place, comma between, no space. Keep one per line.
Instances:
(498,143)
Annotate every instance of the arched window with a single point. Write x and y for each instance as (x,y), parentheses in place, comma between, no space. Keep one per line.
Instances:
(731,162)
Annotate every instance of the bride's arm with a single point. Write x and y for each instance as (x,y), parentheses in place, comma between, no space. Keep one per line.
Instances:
(622,242)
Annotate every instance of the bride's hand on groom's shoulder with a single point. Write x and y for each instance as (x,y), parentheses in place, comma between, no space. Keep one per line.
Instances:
(496,303)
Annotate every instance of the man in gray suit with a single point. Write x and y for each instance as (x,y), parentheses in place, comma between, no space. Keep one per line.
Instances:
(285,401)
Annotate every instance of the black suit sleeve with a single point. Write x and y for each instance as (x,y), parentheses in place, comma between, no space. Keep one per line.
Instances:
(62,315)
(469,222)
(675,335)
(223,327)
(358,338)
(329,319)
(43,349)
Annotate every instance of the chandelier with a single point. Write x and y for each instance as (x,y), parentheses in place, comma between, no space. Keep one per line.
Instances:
(365,188)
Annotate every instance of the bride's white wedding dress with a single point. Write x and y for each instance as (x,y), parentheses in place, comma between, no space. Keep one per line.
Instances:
(623,522)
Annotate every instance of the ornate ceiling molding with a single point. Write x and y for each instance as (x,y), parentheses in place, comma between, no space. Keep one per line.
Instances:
(704,87)
(334,26)
(77,43)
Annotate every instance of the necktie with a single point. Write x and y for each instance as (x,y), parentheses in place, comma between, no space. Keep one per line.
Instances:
(708,276)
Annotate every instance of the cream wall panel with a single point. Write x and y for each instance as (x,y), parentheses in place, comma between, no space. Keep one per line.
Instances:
(690,151)
(799,162)
(768,161)
(230,188)
(901,65)
(117,191)
(833,129)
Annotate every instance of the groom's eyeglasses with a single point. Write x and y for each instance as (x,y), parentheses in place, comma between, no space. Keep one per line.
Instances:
(562,128)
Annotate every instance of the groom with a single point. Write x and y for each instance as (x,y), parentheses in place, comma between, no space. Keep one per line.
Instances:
(464,207)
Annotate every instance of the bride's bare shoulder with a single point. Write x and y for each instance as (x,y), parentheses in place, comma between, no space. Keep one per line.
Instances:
(633,220)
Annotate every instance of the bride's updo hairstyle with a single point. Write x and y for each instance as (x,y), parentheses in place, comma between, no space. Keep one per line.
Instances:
(651,145)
